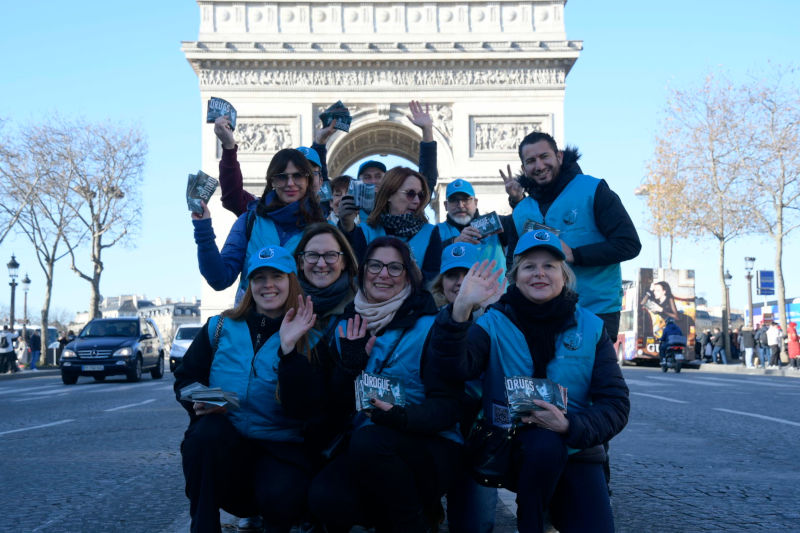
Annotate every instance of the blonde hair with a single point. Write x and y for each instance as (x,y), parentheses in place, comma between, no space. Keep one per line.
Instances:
(570,281)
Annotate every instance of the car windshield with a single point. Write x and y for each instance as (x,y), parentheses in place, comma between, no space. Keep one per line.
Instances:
(114,328)
(187,334)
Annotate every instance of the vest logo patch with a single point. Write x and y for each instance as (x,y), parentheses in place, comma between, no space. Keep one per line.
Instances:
(571,217)
(458,251)
(573,340)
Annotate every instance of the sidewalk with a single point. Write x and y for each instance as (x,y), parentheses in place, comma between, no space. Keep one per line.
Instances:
(25,373)
(738,368)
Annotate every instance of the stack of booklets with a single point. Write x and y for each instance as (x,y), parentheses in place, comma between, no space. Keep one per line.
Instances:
(488,224)
(339,113)
(200,187)
(217,107)
(383,388)
(522,390)
(197,392)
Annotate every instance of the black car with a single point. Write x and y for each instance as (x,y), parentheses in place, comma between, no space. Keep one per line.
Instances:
(111,346)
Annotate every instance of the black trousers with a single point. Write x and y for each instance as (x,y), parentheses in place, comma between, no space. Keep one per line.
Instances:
(245,477)
(387,478)
(575,493)
(775,356)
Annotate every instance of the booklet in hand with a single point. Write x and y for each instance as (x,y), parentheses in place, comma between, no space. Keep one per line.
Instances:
(197,392)
(488,224)
(217,107)
(531,225)
(340,113)
(384,388)
(522,390)
(200,187)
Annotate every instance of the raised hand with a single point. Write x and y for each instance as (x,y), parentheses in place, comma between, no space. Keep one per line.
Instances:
(422,119)
(296,323)
(480,284)
(501,289)
(222,129)
(513,188)
(356,348)
(322,135)
(206,212)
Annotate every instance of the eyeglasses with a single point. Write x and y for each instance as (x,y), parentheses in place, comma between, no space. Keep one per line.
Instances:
(316,173)
(460,200)
(411,194)
(313,257)
(280,180)
(394,268)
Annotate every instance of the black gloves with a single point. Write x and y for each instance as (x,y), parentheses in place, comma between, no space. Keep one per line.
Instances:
(395,418)
(354,355)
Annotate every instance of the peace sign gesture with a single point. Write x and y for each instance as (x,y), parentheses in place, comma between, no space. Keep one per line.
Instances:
(513,188)
(296,323)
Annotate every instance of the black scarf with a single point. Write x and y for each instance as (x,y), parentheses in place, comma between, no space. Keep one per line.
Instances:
(540,323)
(405,226)
(261,327)
(327,298)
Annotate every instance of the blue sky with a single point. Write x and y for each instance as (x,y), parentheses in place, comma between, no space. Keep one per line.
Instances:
(121,61)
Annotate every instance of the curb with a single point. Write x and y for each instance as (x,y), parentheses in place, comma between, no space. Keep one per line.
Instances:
(738,368)
(22,374)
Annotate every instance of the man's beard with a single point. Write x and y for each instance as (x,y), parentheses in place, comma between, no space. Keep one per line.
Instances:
(462,219)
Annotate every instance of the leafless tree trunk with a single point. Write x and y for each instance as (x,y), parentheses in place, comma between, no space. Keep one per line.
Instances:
(107,163)
(775,167)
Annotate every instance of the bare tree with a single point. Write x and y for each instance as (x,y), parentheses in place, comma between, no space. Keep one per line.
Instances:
(702,130)
(12,206)
(775,165)
(663,187)
(36,181)
(106,162)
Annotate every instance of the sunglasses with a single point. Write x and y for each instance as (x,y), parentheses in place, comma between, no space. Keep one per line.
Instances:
(280,180)
(411,194)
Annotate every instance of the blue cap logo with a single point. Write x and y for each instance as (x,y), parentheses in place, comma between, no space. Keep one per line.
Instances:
(266,253)
(542,235)
(458,251)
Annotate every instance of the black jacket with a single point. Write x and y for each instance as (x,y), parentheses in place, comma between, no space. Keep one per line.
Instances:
(463,349)
(612,220)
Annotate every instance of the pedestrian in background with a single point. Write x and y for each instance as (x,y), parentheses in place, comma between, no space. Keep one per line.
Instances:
(8,361)
(793,345)
(748,343)
(774,343)
(718,354)
(761,342)
(35,345)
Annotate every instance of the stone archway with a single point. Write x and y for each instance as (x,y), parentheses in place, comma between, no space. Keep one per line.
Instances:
(491,70)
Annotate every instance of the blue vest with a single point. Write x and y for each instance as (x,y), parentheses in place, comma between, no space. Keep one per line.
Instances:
(403,364)
(599,287)
(264,233)
(489,248)
(510,356)
(418,243)
(260,415)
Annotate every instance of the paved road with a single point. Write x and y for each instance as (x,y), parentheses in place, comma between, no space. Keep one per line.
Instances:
(702,452)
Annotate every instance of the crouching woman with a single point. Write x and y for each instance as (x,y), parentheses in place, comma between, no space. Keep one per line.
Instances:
(249,460)
(538,330)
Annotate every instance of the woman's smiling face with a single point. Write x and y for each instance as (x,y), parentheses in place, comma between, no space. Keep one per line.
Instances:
(383,286)
(400,203)
(539,276)
(270,289)
(321,274)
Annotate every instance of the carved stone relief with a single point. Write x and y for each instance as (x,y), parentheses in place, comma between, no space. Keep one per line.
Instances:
(257,136)
(502,134)
(376,78)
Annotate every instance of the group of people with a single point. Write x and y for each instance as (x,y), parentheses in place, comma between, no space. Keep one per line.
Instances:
(762,347)
(328,290)
(11,342)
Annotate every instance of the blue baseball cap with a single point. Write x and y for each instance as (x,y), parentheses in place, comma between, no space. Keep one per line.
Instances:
(370,163)
(540,238)
(311,155)
(460,186)
(272,257)
(459,255)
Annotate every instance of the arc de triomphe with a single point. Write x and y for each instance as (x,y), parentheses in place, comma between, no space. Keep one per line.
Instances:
(490,70)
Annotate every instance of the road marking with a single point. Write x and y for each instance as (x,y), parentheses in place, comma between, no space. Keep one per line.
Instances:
(772,419)
(40,398)
(130,405)
(755,382)
(673,400)
(22,390)
(641,382)
(38,427)
(691,381)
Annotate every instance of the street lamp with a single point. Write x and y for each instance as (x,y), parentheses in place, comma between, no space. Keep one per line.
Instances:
(726,313)
(13,267)
(749,262)
(26,286)
(645,190)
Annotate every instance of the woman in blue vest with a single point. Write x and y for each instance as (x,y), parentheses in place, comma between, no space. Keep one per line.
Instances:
(399,212)
(538,330)
(251,460)
(400,458)
(286,206)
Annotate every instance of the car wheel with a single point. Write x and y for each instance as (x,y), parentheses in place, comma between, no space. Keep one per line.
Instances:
(101,377)
(158,371)
(677,368)
(69,379)
(135,373)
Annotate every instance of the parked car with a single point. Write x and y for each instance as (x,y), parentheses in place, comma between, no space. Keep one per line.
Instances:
(184,336)
(112,346)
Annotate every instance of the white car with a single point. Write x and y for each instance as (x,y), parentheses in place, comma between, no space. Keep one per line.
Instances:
(184,336)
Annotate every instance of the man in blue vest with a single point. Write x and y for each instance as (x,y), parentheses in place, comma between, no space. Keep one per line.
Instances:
(462,207)
(596,232)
